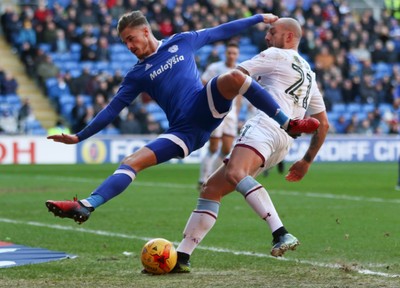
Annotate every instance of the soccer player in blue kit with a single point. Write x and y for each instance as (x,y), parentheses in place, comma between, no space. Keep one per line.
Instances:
(167,71)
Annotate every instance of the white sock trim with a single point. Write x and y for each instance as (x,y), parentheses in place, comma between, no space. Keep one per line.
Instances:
(126,172)
(245,85)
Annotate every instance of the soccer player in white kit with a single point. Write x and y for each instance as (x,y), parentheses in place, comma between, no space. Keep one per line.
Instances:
(222,138)
(261,143)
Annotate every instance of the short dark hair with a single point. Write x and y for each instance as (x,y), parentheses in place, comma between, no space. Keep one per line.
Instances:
(232,44)
(131,19)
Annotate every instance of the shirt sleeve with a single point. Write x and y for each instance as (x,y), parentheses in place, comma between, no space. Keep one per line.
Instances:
(221,32)
(127,92)
(317,104)
(102,119)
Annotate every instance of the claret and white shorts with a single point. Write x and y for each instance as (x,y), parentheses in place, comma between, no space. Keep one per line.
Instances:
(264,136)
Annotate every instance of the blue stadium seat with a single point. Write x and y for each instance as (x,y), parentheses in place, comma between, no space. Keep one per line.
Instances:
(368,107)
(118,48)
(14,100)
(339,107)
(45,47)
(87,99)
(159,116)
(164,124)
(385,107)
(245,41)
(248,49)
(353,108)
(102,65)
(38,131)
(109,131)
(50,82)
(152,107)
(76,47)
(69,65)
(333,116)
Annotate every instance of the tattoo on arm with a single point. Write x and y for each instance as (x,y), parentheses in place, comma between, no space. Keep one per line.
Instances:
(315,145)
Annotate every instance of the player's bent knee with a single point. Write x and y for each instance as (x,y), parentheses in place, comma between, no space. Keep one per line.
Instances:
(237,77)
(233,176)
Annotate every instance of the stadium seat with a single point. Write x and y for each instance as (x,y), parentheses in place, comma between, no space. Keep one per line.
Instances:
(109,131)
(248,49)
(117,48)
(353,108)
(164,124)
(385,107)
(339,107)
(45,47)
(13,100)
(367,107)
(75,47)
(245,41)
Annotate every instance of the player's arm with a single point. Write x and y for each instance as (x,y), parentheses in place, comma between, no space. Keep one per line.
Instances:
(102,119)
(230,29)
(300,167)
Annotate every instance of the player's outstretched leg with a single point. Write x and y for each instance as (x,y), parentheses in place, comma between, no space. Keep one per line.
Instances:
(70,209)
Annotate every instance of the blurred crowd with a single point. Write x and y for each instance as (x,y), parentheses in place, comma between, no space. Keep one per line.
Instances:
(356,56)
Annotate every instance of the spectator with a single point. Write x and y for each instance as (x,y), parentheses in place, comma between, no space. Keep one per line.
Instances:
(42,13)
(83,83)
(332,94)
(341,125)
(61,45)
(9,84)
(87,51)
(26,35)
(79,114)
(324,60)
(50,34)
(24,114)
(377,53)
(117,9)
(2,76)
(100,101)
(102,51)
(47,69)
(130,125)
(27,56)
(352,124)
(368,93)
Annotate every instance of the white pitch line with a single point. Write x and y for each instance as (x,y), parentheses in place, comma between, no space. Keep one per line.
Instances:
(188,186)
(214,249)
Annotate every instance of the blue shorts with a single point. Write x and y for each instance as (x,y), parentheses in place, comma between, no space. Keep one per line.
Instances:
(192,132)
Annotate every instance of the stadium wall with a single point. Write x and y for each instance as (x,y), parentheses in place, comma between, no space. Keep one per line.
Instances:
(102,149)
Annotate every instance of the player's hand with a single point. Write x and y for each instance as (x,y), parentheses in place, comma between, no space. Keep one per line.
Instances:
(64,138)
(269,18)
(297,171)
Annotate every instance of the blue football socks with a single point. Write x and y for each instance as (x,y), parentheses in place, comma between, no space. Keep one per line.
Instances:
(262,100)
(111,187)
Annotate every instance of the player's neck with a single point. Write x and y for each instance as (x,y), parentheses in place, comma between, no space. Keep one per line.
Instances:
(230,65)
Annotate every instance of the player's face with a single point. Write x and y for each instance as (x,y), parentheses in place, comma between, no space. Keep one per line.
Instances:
(275,37)
(232,54)
(137,41)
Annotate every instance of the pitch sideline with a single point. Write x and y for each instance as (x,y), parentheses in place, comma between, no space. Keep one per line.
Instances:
(215,249)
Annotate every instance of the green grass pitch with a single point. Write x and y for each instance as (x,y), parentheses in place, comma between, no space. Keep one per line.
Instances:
(346,216)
